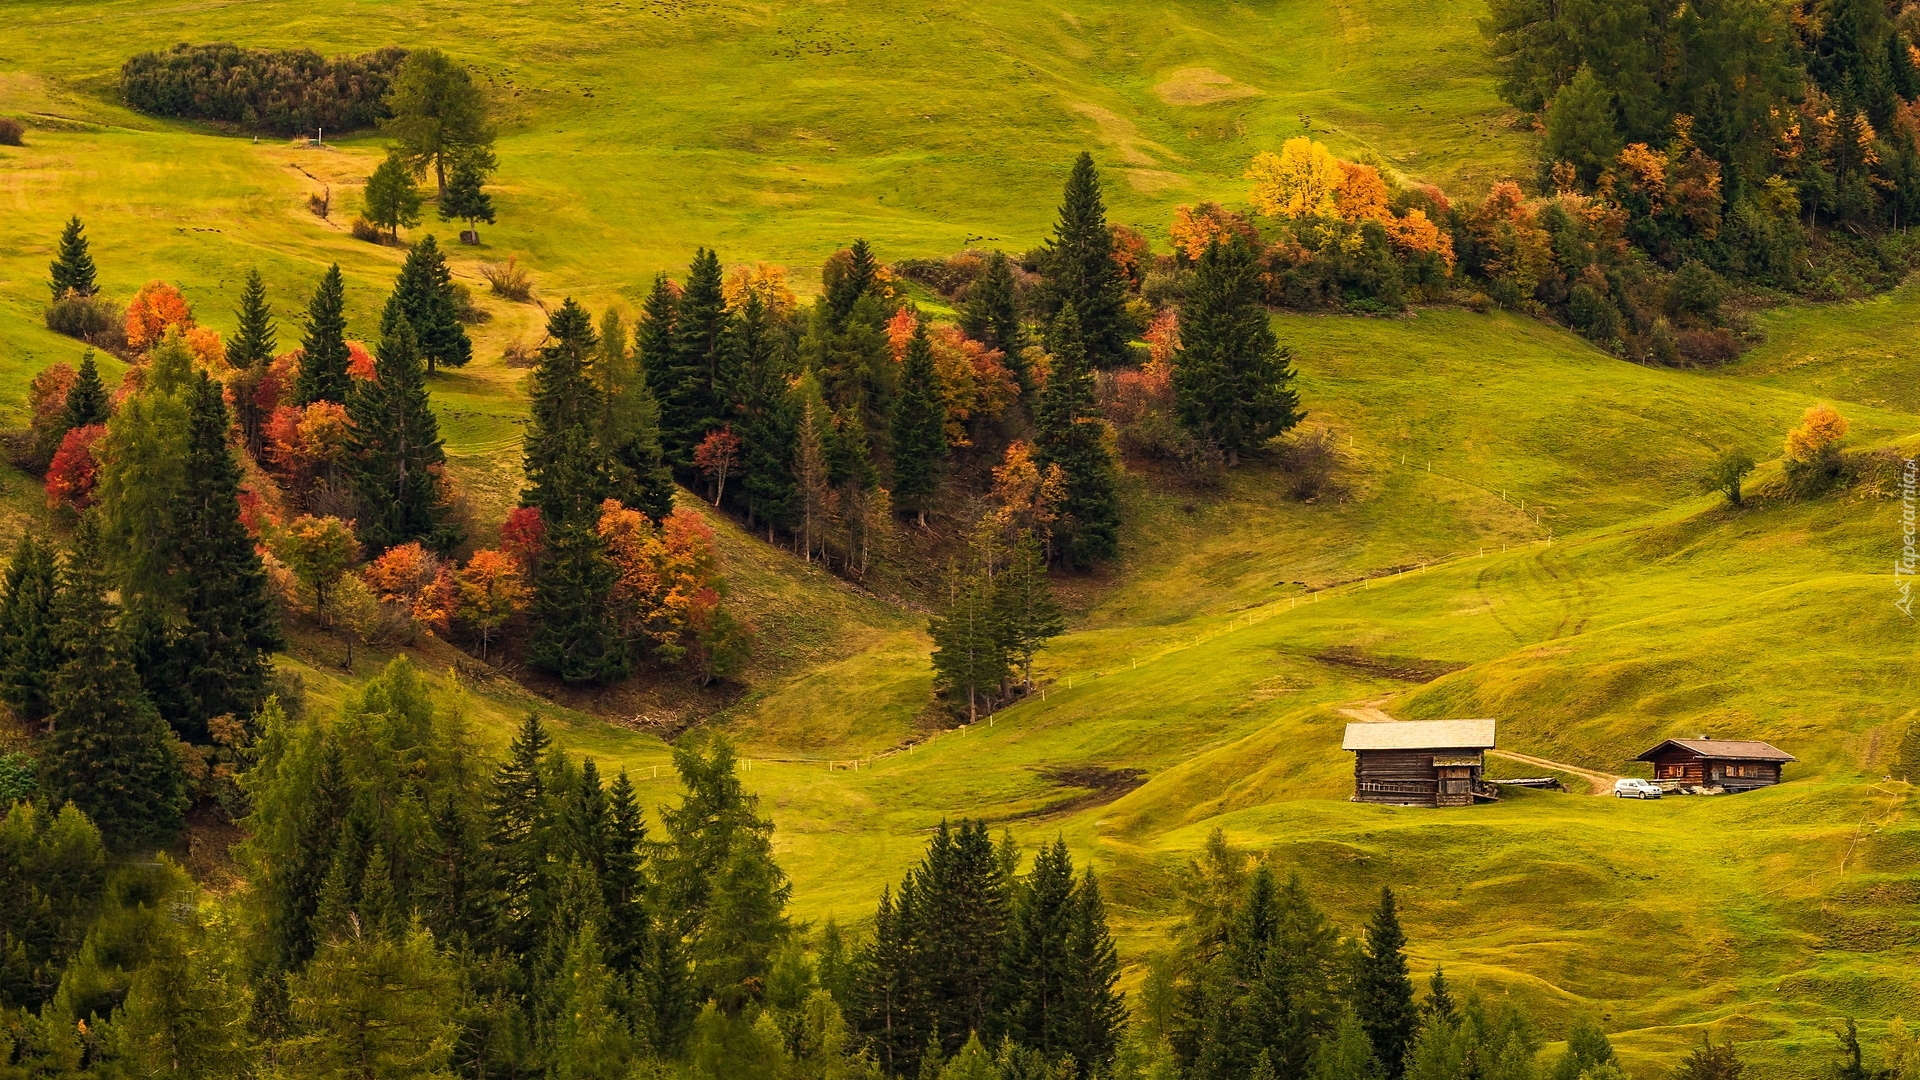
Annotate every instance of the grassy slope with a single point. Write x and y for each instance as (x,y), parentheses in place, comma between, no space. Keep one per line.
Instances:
(787,130)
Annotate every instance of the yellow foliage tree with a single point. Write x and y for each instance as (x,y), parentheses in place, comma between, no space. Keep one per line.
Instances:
(1299,181)
(1820,430)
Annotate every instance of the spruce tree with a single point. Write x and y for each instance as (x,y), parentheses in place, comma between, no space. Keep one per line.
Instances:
(853,281)
(991,314)
(919,429)
(519,818)
(111,755)
(249,351)
(1071,436)
(86,398)
(1028,614)
(623,880)
(699,366)
(1038,969)
(653,341)
(29,630)
(629,425)
(768,420)
(1096,1014)
(568,470)
(969,645)
(1382,992)
(466,198)
(575,635)
(72,268)
(964,903)
(887,994)
(426,296)
(1231,378)
(1079,269)
(394,445)
(230,629)
(324,356)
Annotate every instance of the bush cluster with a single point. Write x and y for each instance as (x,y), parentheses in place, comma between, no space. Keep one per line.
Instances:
(285,91)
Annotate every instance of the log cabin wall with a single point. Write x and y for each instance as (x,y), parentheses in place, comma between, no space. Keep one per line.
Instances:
(1395,777)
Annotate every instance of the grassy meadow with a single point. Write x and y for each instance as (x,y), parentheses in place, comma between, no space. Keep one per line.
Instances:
(1515,530)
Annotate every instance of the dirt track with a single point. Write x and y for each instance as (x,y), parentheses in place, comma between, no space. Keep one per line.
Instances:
(1369,712)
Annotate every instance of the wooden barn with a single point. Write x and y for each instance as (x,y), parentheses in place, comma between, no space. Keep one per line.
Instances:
(1723,763)
(1420,762)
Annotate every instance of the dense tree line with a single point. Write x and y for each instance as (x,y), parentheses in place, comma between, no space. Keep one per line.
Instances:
(286,91)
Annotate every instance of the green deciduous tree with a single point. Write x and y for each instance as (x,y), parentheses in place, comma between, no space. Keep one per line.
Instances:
(1727,473)
(1231,377)
(425,293)
(391,199)
(919,429)
(324,356)
(394,445)
(72,269)
(439,116)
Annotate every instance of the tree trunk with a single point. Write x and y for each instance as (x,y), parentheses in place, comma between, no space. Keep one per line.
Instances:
(440,174)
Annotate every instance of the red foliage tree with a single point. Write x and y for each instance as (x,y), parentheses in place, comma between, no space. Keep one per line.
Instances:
(716,457)
(71,476)
(524,535)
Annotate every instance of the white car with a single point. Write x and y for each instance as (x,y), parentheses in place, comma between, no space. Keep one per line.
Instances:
(1632,787)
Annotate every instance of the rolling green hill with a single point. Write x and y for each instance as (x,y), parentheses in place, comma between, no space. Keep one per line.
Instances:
(1515,530)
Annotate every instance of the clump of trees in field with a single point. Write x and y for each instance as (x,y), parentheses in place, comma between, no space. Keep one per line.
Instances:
(437,118)
(285,91)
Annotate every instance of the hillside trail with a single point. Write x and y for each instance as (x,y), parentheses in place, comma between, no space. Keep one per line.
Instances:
(1369,712)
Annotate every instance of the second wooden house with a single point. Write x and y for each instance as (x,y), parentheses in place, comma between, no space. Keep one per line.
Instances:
(1728,764)
(1420,762)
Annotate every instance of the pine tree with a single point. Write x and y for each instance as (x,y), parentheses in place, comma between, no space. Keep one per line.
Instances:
(700,364)
(1038,970)
(1072,436)
(991,314)
(29,630)
(427,298)
(324,357)
(395,445)
(466,197)
(111,754)
(568,470)
(1023,600)
(230,630)
(249,351)
(575,635)
(768,424)
(1079,269)
(72,268)
(86,398)
(1382,992)
(629,425)
(1231,378)
(969,652)
(919,429)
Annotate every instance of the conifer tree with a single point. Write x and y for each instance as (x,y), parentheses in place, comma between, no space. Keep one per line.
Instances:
(590,1038)
(324,356)
(72,267)
(768,424)
(86,398)
(568,470)
(1439,1006)
(991,314)
(391,199)
(653,339)
(699,366)
(29,630)
(969,644)
(1038,973)
(853,282)
(1028,614)
(1079,269)
(919,429)
(426,295)
(1096,1014)
(575,635)
(1231,378)
(887,982)
(111,755)
(249,351)
(1382,991)
(186,1008)
(395,445)
(623,878)
(375,1007)
(466,197)
(230,630)
(519,816)
(812,485)
(629,425)
(964,903)
(1072,437)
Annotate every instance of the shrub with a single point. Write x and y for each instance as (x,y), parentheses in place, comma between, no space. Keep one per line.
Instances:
(1726,473)
(1696,291)
(94,319)
(1812,459)
(465,309)
(1309,457)
(519,354)
(508,279)
(12,132)
(279,90)
(368,231)
(1707,346)
(1592,315)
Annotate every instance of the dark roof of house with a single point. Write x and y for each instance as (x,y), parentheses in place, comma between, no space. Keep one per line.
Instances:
(1421,735)
(1723,750)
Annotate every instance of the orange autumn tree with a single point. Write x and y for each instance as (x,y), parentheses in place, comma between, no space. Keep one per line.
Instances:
(1361,194)
(488,592)
(306,445)
(764,280)
(1812,457)
(409,580)
(1194,227)
(974,381)
(1025,497)
(663,570)
(155,308)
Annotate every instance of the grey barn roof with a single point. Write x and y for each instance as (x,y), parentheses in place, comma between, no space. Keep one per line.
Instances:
(1421,735)
(1724,750)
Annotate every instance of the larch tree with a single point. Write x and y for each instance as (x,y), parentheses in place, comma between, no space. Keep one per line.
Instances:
(391,201)
(1079,269)
(1028,613)
(629,425)
(969,646)
(438,116)
(111,755)
(919,429)
(1072,436)
(394,446)
(426,295)
(72,270)
(1232,380)
(991,314)
(324,356)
